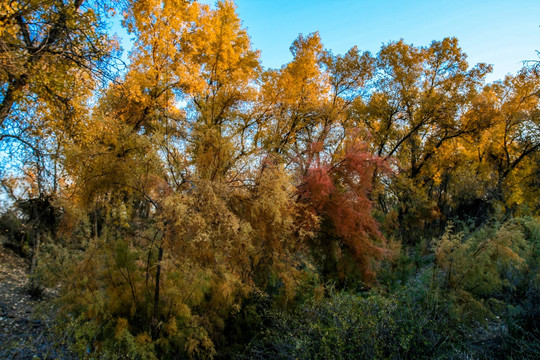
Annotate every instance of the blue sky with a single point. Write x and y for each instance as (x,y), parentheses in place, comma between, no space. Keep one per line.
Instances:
(501,33)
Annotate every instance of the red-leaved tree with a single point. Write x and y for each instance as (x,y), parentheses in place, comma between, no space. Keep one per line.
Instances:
(348,239)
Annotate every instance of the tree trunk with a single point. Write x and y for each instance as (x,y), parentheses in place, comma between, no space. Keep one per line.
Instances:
(35,288)
(154,323)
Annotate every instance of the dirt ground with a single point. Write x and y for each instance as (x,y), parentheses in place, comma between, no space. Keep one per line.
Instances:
(25,324)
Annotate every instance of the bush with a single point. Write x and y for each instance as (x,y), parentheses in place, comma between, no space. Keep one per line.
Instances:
(477,300)
(410,324)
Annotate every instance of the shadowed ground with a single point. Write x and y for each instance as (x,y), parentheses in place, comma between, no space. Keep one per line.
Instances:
(25,325)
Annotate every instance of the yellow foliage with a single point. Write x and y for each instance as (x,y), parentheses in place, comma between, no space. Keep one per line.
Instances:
(121,328)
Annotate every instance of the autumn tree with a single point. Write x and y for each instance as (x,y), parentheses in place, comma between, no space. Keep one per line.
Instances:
(415,109)
(348,240)
(223,127)
(43,46)
(306,106)
(183,239)
(50,56)
(307,101)
(507,151)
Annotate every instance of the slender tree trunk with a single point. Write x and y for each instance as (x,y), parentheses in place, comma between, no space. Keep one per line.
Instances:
(35,253)
(34,283)
(154,323)
(95,224)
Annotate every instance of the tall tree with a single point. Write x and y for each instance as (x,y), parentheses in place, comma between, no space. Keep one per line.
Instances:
(510,146)
(42,41)
(415,109)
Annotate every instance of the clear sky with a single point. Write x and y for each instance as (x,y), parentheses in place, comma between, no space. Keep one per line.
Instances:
(498,32)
